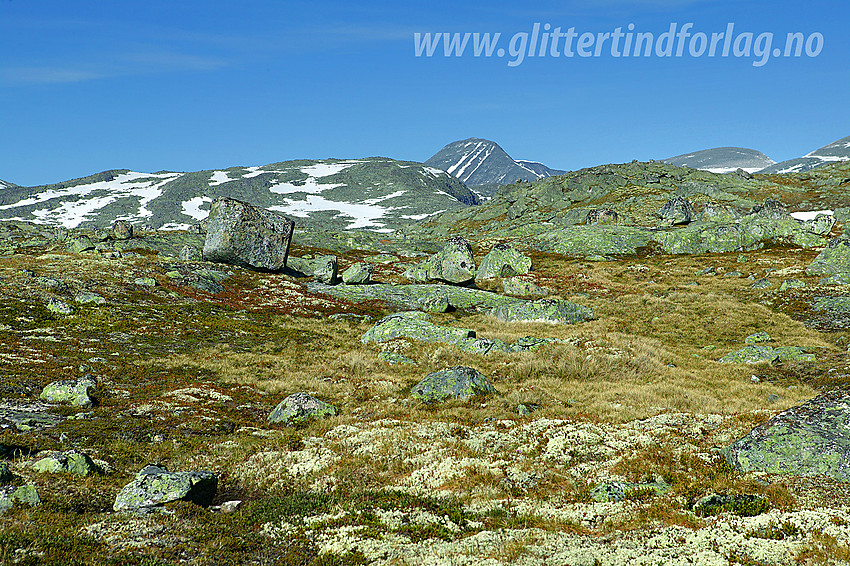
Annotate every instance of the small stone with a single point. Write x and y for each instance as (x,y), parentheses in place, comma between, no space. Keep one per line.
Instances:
(145,281)
(502,261)
(761,284)
(757,338)
(325,269)
(772,398)
(87,298)
(792,284)
(70,462)
(299,408)
(59,307)
(25,494)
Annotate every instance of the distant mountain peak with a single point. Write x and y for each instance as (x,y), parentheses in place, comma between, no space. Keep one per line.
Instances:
(723,160)
(838,150)
(477,161)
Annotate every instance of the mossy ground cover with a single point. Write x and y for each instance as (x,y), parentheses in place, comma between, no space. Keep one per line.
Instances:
(187,379)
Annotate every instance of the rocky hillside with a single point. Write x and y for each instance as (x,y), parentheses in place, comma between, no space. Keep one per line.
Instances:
(374,193)
(723,160)
(482,163)
(838,150)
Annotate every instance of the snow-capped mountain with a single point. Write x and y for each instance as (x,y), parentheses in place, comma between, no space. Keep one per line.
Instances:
(723,160)
(836,151)
(478,162)
(375,193)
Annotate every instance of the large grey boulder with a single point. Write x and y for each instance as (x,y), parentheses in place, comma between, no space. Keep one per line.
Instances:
(247,236)
(543,310)
(835,258)
(502,261)
(299,408)
(72,391)
(677,210)
(812,439)
(453,383)
(417,326)
(122,230)
(453,264)
(154,486)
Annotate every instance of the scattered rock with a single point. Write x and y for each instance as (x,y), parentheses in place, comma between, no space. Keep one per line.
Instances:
(518,287)
(502,261)
(325,269)
(620,490)
(452,383)
(26,415)
(145,281)
(72,391)
(719,213)
(438,302)
(154,486)
(771,208)
(122,230)
(81,244)
(792,284)
(761,284)
(359,273)
(603,216)
(676,211)
(26,495)
(811,439)
(299,408)
(59,307)
(247,236)
(87,298)
(543,310)
(744,505)
(821,224)
(753,353)
(453,264)
(189,253)
(395,358)
(69,462)
(417,326)
(758,338)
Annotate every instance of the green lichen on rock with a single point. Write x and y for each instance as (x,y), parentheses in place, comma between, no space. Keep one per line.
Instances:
(757,338)
(621,490)
(754,353)
(503,261)
(583,241)
(72,391)
(835,258)
(811,439)
(24,495)
(359,273)
(458,382)
(545,310)
(154,486)
(70,462)
(417,326)
(299,408)
(453,264)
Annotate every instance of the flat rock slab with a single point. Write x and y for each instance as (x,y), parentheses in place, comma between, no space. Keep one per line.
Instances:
(812,439)
(755,353)
(155,486)
(458,382)
(543,310)
(299,408)
(27,415)
(415,296)
(417,326)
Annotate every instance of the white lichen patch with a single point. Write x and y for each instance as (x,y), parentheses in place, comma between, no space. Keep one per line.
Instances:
(198,395)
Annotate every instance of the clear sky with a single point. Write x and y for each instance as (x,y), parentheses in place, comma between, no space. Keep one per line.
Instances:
(167,84)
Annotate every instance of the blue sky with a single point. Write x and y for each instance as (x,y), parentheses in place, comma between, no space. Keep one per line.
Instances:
(90,85)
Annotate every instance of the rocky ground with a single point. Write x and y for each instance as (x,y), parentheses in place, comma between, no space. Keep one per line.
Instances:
(544,397)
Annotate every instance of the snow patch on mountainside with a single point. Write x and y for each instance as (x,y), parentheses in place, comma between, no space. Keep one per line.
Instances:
(192,207)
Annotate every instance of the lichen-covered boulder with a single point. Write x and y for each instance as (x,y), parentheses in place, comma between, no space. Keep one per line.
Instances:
(72,391)
(754,353)
(25,494)
(821,224)
(247,236)
(325,269)
(359,273)
(719,213)
(518,287)
(757,338)
(458,382)
(503,261)
(835,258)
(543,310)
(68,462)
(417,326)
(453,264)
(154,486)
(81,244)
(122,230)
(677,210)
(771,208)
(59,307)
(299,408)
(603,216)
(812,439)
(583,241)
